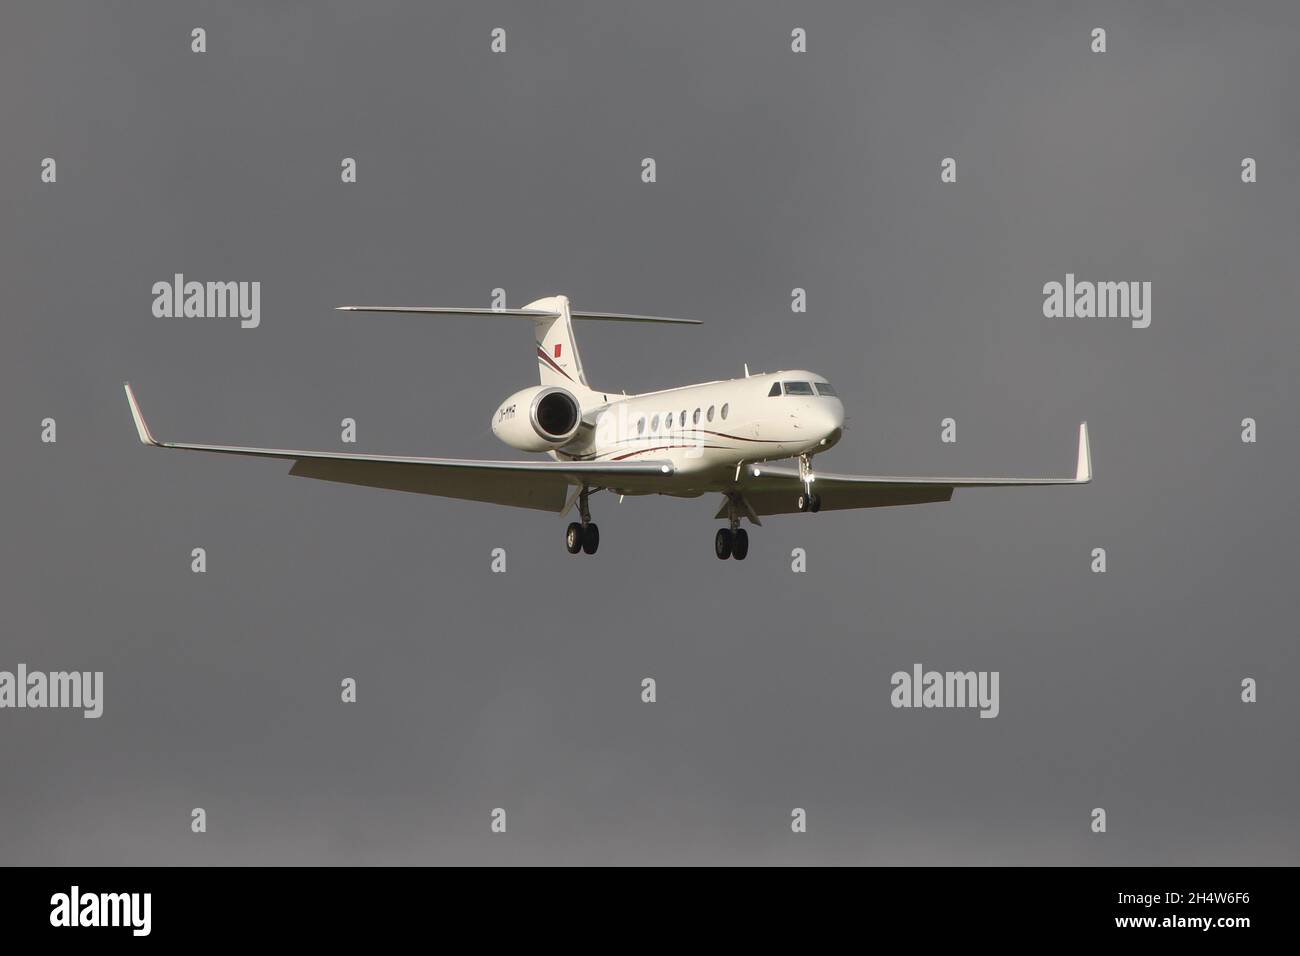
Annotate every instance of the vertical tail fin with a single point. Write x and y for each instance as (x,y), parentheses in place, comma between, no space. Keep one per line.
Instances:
(558,360)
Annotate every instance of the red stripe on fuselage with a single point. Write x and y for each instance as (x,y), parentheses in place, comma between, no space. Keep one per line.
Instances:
(646,451)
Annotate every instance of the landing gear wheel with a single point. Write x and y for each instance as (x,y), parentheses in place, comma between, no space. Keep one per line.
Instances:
(590,539)
(739,544)
(573,537)
(722,544)
(816,504)
(804,502)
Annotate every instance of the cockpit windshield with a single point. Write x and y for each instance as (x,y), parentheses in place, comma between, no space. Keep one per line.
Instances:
(798,388)
(824,388)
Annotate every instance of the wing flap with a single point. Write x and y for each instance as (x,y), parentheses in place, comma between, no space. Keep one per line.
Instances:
(842,497)
(543,492)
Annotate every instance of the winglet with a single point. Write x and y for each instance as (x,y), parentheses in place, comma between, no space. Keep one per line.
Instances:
(140,427)
(1083,471)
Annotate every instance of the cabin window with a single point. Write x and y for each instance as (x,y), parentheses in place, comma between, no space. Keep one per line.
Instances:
(683,418)
(824,388)
(798,388)
(669,423)
(725,409)
(709,416)
(776,389)
(640,425)
(697,416)
(654,424)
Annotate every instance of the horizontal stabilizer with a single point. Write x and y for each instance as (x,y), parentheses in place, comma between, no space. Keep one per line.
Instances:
(620,317)
(534,314)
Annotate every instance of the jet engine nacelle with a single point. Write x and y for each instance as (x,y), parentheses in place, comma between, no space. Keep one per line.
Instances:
(540,418)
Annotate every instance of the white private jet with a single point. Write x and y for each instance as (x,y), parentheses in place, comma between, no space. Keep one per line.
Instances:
(684,442)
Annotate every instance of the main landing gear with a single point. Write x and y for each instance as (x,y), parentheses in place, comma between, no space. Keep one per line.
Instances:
(582,535)
(731,544)
(807,500)
(732,541)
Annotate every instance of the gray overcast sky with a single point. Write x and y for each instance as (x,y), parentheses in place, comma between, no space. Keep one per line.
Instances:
(775,170)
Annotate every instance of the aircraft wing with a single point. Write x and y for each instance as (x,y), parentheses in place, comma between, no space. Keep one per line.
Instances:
(542,485)
(775,489)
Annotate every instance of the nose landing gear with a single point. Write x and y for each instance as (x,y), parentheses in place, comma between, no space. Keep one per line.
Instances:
(582,535)
(807,500)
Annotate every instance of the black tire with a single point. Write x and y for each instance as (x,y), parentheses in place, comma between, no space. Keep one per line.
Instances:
(740,544)
(816,504)
(722,544)
(573,537)
(590,538)
(803,503)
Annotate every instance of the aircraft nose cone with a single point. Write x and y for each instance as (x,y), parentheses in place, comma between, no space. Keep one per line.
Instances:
(830,424)
(827,422)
